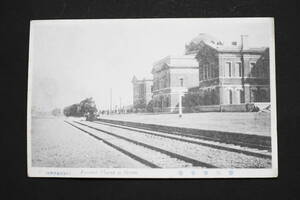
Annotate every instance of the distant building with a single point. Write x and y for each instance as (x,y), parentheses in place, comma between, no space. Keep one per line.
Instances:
(141,93)
(234,74)
(170,74)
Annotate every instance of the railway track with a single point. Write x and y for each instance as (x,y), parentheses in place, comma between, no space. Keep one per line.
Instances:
(158,149)
(157,153)
(188,139)
(238,139)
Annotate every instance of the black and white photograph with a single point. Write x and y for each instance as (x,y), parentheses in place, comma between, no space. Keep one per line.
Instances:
(152,98)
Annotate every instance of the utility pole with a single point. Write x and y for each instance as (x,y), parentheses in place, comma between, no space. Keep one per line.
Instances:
(243,67)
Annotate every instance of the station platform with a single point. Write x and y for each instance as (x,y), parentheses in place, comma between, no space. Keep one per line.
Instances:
(252,123)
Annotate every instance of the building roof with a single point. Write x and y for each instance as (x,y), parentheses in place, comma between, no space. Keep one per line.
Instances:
(207,39)
(236,48)
(182,61)
(135,80)
(192,47)
(218,45)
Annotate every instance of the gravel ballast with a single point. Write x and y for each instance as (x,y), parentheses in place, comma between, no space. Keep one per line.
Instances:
(57,144)
(219,158)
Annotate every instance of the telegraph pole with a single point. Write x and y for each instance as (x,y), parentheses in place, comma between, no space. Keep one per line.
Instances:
(243,67)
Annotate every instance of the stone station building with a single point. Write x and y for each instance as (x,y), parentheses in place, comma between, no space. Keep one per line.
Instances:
(216,74)
(170,75)
(235,74)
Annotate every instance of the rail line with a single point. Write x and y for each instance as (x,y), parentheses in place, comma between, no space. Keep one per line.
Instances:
(220,147)
(244,140)
(194,162)
(137,158)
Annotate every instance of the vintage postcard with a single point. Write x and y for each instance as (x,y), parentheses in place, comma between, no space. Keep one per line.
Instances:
(152,98)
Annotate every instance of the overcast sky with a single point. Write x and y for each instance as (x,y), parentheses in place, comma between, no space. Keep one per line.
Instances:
(72,60)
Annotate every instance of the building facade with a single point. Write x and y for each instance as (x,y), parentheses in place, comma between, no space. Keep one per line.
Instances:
(142,94)
(234,74)
(170,76)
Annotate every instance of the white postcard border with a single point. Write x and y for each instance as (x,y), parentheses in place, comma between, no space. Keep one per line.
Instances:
(156,173)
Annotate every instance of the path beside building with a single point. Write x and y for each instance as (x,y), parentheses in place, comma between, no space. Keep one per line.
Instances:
(258,123)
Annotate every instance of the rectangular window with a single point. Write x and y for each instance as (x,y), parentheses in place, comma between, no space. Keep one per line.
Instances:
(253,95)
(204,72)
(242,96)
(212,71)
(261,72)
(228,69)
(167,102)
(238,69)
(230,96)
(267,72)
(208,71)
(166,82)
(252,70)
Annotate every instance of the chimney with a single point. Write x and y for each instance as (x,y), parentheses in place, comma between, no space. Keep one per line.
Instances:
(244,42)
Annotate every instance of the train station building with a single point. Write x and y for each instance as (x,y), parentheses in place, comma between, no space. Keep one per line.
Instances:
(232,74)
(170,75)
